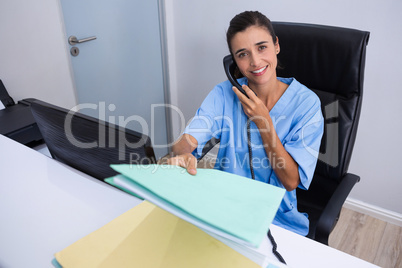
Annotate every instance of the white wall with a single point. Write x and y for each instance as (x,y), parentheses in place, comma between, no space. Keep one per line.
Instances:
(33,58)
(196,42)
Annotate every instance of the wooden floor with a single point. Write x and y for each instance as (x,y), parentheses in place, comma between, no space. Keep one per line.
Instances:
(368,238)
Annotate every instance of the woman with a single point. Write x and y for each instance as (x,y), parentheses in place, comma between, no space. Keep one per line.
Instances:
(285,120)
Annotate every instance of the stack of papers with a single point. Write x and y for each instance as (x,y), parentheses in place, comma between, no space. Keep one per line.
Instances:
(147,236)
(229,205)
(232,213)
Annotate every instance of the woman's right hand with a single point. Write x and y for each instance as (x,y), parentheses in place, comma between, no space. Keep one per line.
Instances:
(187,161)
(182,150)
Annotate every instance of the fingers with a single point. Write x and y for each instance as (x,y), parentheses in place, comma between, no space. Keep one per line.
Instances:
(253,107)
(187,161)
(243,98)
(191,165)
(250,93)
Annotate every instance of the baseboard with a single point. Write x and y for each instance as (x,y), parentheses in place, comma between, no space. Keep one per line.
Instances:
(374,211)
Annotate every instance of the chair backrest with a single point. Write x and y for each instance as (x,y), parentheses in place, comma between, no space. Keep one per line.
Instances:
(330,61)
(89,144)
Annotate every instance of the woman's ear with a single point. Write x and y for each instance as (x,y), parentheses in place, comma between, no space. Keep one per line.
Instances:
(277,47)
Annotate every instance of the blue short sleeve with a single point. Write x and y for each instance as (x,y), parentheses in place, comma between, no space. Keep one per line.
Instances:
(304,143)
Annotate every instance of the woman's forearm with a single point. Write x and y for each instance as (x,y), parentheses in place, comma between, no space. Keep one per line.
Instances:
(186,144)
(282,163)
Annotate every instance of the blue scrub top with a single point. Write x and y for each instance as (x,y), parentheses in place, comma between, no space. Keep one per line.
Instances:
(298,122)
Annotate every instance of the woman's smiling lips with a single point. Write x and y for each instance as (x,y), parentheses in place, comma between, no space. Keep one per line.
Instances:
(260,71)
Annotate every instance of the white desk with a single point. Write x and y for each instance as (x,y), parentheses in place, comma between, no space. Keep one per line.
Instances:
(46,206)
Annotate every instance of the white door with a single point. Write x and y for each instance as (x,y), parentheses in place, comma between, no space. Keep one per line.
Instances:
(120,72)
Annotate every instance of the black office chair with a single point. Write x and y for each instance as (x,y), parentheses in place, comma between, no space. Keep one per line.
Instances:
(89,144)
(330,61)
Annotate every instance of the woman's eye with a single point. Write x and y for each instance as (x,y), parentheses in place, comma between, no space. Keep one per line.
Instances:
(241,55)
(262,47)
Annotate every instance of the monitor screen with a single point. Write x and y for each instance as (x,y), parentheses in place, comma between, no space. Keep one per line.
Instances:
(89,144)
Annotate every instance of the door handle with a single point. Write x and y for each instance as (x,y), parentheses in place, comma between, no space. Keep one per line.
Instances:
(72,40)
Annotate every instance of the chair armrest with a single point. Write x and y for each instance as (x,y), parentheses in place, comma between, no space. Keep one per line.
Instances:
(208,147)
(329,217)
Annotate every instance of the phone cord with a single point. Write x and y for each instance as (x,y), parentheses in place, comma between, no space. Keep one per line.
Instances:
(250,152)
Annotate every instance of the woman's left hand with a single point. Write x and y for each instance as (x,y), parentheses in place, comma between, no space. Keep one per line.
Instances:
(256,110)
(253,107)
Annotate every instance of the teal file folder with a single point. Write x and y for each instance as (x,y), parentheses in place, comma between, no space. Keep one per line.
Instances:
(231,206)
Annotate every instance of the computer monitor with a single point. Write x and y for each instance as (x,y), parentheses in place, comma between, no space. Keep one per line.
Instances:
(89,144)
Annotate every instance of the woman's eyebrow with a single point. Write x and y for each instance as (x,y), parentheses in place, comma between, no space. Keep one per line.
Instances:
(260,43)
(240,50)
(257,44)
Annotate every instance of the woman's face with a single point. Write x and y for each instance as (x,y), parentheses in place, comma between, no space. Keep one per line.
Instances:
(255,54)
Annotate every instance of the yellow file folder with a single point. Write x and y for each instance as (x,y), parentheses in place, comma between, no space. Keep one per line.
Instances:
(147,236)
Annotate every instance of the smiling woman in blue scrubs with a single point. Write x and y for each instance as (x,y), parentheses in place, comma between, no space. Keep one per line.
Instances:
(286,121)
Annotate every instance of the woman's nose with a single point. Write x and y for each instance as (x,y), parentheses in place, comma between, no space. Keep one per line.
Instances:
(254,60)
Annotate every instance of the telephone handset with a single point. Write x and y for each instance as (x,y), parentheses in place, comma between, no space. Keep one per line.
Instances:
(230,66)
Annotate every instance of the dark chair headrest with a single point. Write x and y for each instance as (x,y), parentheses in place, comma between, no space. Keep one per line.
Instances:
(325,58)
